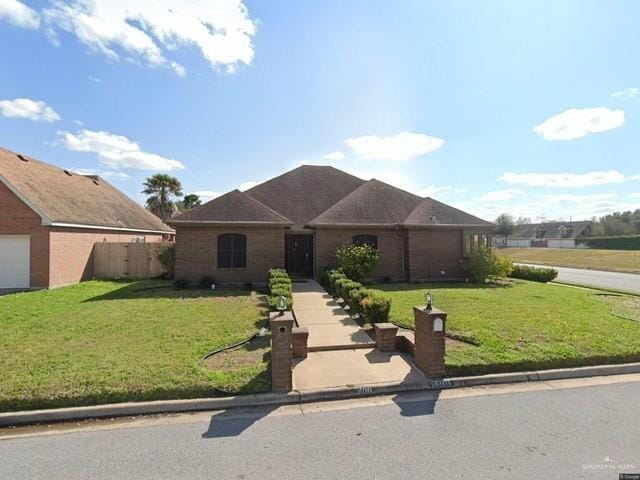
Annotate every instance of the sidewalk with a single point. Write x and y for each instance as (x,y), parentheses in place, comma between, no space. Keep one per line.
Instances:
(341,354)
(330,327)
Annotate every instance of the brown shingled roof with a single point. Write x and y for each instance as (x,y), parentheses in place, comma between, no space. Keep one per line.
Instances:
(305,192)
(233,207)
(374,203)
(430,212)
(62,196)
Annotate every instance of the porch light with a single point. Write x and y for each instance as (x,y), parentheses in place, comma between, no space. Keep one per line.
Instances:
(282,304)
(429,300)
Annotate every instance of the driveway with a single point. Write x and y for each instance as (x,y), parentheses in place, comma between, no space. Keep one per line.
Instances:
(628,282)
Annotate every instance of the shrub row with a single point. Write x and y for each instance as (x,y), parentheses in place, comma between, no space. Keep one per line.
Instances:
(622,242)
(279,284)
(372,306)
(535,274)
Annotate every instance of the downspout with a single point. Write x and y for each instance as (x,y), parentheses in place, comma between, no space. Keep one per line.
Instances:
(395,234)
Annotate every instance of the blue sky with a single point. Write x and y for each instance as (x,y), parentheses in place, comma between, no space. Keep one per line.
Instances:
(531,108)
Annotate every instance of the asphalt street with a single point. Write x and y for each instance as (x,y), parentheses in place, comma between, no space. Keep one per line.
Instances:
(629,282)
(538,432)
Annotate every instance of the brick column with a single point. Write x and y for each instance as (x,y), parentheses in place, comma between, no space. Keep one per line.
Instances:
(281,351)
(385,336)
(429,341)
(300,340)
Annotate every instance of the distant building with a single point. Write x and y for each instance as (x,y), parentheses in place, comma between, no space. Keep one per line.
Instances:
(547,235)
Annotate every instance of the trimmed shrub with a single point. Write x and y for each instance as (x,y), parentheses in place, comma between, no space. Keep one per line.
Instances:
(355,296)
(323,276)
(339,285)
(535,274)
(375,308)
(621,242)
(485,264)
(357,261)
(334,276)
(279,284)
(346,286)
(278,272)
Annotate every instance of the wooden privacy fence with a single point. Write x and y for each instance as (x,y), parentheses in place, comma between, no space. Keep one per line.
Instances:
(127,260)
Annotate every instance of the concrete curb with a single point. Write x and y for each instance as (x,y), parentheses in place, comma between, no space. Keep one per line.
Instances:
(304,396)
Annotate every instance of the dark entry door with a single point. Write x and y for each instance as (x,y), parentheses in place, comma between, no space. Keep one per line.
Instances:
(299,255)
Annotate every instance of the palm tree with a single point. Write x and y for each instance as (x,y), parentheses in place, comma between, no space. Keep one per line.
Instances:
(191,201)
(161,190)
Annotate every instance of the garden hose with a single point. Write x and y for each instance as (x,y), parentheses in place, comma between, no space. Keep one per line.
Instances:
(259,333)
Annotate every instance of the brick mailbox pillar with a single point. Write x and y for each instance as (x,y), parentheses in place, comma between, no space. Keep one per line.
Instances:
(385,336)
(281,351)
(429,341)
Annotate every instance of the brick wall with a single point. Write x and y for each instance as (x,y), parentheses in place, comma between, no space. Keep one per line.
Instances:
(433,250)
(71,251)
(197,255)
(16,218)
(328,240)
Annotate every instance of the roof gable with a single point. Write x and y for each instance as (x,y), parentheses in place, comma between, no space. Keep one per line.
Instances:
(374,203)
(547,230)
(305,192)
(430,212)
(64,197)
(232,207)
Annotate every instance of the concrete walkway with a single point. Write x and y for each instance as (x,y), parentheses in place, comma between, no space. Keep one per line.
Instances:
(330,327)
(340,352)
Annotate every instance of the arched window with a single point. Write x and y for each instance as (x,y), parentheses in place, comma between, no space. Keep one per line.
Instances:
(232,250)
(371,240)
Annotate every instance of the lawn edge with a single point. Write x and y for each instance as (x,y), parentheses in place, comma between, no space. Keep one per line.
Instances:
(19,418)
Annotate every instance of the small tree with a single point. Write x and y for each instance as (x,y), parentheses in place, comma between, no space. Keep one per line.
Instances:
(357,261)
(505,225)
(485,264)
(166,254)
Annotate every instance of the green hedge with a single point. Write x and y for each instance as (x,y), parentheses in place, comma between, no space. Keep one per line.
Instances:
(355,296)
(334,276)
(622,242)
(535,274)
(279,284)
(375,308)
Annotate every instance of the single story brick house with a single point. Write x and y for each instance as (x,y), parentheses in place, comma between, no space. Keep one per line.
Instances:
(547,234)
(299,219)
(51,218)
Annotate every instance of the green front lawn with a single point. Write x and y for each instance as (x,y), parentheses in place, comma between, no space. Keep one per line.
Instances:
(103,341)
(523,325)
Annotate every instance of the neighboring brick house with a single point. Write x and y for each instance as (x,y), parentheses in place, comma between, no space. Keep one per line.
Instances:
(51,218)
(299,219)
(547,234)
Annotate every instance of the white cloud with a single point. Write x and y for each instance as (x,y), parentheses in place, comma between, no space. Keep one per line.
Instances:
(401,147)
(102,173)
(35,110)
(635,195)
(117,151)
(333,156)
(247,185)
(499,195)
(627,94)
(18,14)
(149,29)
(430,190)
(565,180)
(578,122)
(207,195)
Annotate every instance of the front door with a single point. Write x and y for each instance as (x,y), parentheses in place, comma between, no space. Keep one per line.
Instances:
(299,255)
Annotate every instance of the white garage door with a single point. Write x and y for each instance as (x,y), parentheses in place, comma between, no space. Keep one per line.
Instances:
(14,261)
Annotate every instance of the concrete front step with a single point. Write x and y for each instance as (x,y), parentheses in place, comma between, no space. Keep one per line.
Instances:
(349,346)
